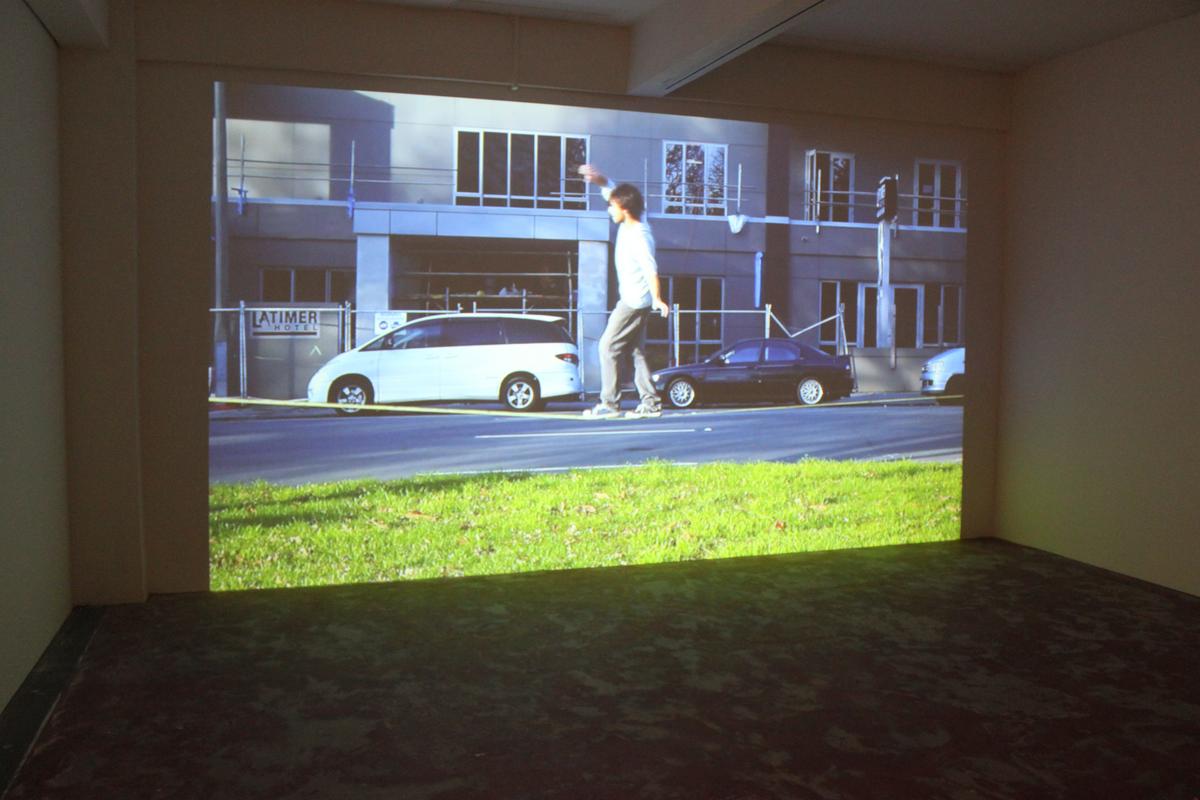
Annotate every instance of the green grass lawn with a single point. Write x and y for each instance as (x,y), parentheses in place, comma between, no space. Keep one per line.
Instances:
(270,536)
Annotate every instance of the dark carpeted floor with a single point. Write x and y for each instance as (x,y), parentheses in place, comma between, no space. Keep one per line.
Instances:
(972,669)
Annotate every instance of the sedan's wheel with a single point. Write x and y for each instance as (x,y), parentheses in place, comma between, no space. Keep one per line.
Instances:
(349,394)
(954,386)
(521,394)
(810,391)
(681,393)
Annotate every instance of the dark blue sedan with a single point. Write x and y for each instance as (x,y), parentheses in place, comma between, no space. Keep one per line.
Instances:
(757,370)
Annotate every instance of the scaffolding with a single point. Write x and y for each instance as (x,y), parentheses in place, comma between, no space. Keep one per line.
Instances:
(524,291)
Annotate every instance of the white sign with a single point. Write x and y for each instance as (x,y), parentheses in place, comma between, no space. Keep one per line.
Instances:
(284,322)
(389,320)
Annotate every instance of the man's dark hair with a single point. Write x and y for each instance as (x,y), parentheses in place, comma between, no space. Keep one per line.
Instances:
(627,196)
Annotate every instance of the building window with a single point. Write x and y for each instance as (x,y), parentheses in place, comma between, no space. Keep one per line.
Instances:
(286,285)
(909,307)
(927,315)
(938,194)
(829,178)
(833,295)
(694,178)
(701,299)
(868,297)
(520,170)
(943,314)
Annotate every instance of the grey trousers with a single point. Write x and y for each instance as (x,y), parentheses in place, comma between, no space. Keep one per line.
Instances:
(625,333)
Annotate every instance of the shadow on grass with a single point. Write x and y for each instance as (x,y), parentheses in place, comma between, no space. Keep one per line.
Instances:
(349,490)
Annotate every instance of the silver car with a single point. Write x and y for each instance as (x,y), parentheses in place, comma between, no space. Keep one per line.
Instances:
(944,376)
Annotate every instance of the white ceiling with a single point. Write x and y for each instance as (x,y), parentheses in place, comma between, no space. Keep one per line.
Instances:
(607,12)
(998,35)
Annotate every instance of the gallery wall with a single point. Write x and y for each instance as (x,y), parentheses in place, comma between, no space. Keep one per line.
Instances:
(34,568)
(182,47)
(1099,422)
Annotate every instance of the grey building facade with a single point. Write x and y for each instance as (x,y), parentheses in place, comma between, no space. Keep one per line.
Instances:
(396,204)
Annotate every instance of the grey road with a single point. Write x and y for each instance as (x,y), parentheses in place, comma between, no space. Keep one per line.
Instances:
(297,447)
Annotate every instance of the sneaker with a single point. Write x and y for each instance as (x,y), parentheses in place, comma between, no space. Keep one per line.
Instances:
(643,411)
(602,412)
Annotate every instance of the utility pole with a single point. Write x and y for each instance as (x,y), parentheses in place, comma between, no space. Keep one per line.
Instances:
(886,201)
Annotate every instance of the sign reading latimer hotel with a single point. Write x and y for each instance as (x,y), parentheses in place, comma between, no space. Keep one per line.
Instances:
(284,322)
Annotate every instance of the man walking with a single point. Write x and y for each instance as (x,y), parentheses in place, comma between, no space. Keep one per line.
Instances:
(638,290)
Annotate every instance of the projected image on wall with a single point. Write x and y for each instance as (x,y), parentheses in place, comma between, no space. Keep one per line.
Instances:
(455,336)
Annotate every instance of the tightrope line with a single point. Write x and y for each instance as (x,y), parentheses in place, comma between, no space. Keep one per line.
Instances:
(574,416)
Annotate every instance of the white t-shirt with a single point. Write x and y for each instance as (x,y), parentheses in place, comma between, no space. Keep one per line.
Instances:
(634,256)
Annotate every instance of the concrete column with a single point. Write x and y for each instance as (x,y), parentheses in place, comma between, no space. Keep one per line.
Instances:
(373,281)
(593,309)
(777,250)
(98,114)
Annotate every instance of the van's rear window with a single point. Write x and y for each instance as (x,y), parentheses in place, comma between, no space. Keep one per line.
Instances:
(534,331)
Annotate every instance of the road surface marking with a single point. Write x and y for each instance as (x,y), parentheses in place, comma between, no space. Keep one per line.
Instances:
(622,432)
(561,469)
(945,454)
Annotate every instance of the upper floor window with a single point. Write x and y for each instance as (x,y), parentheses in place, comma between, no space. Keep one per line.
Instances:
(938,194)
(829,178)
(520,170)
(694,178)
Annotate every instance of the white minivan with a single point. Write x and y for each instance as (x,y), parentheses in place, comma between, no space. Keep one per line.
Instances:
(522,360)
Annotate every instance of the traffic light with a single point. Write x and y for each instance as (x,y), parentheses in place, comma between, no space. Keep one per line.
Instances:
(886,200)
